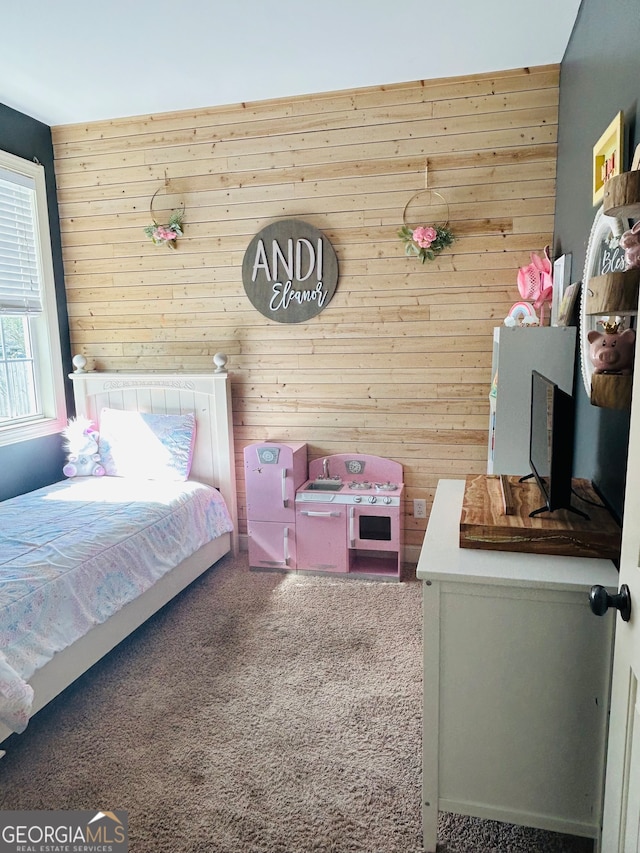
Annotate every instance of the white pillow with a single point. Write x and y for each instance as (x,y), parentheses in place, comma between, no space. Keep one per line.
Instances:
(146,446)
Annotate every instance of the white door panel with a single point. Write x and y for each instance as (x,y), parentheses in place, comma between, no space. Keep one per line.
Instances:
(621,826)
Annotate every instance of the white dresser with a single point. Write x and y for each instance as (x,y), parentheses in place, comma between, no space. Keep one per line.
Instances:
(516,682)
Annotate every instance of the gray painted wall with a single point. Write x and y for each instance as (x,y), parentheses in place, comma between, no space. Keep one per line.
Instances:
(32,464)
(599,76)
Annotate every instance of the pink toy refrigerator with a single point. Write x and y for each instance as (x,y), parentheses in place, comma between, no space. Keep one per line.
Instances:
(273,472)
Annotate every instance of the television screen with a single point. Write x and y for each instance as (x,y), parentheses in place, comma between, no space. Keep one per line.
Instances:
(541,436)
(551,442)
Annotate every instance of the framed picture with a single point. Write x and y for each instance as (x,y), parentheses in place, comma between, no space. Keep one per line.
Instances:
(567,310)
(607,156)
(561,278)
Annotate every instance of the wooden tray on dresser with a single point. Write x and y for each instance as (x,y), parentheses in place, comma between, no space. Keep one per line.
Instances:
(484,523)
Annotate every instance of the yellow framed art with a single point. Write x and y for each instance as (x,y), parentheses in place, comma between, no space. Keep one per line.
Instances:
(607,156)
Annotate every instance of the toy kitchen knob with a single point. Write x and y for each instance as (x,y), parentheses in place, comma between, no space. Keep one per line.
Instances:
(372,499)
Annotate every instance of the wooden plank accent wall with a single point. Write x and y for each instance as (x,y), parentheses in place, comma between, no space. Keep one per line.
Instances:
(398,364)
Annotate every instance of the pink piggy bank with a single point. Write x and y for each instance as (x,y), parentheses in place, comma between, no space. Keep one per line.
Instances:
(612,352)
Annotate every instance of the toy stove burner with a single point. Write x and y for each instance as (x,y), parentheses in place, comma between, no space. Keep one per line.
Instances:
(364,485)
(386,487)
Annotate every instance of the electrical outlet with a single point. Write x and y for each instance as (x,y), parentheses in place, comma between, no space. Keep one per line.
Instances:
(419,508)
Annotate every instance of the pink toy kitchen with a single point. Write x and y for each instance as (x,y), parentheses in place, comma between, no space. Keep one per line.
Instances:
(339,514)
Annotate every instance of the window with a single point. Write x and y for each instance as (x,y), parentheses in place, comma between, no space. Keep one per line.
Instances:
(32,399)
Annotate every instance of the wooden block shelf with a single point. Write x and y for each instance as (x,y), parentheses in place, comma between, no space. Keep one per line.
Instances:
(611,390)
(622,195)
(614,293)
(484,525)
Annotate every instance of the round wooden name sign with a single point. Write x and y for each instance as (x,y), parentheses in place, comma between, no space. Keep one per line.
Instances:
(290,271)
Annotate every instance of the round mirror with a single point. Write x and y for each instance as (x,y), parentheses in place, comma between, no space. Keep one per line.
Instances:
(604,255)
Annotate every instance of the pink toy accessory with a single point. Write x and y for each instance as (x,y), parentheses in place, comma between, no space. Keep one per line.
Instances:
(521,314)
(612,351)
(630,242)
(535,282)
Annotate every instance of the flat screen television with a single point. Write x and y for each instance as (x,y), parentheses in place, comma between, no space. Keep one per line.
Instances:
(551,443)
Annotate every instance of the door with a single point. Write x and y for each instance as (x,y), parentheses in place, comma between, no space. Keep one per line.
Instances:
(321,537)
(374,528)
(621,821)
(271,545)
(269,483)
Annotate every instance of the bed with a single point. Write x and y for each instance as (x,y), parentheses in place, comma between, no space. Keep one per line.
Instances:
(112,550)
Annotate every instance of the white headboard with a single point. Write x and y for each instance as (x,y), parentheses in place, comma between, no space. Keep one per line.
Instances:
(207,395)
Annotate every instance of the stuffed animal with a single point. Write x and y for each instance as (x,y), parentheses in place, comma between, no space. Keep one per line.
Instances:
(81,442)
(630,242)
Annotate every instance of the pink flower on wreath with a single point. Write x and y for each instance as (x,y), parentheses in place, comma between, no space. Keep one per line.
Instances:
(424,236)
(163,233)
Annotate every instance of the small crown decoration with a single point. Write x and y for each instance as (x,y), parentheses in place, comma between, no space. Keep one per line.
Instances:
(611,328)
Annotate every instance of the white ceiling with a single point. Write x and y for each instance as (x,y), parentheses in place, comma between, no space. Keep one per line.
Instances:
(72,61)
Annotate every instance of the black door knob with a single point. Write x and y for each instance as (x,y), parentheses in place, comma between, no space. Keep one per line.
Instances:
(600,601)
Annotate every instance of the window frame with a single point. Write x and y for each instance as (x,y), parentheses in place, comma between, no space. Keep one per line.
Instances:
(44,327)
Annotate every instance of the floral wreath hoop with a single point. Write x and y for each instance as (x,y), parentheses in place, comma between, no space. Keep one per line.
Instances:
(165,235)
(425,241)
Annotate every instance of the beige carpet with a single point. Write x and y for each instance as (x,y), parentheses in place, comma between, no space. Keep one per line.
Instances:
(257,713)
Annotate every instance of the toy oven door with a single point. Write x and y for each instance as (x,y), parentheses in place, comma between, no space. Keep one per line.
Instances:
(374,528)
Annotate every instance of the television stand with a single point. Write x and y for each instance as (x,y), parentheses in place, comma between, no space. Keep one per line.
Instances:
(513,657)
(545,508)
(565,532)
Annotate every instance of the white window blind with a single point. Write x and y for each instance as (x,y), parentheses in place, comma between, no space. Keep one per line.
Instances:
(19,268)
